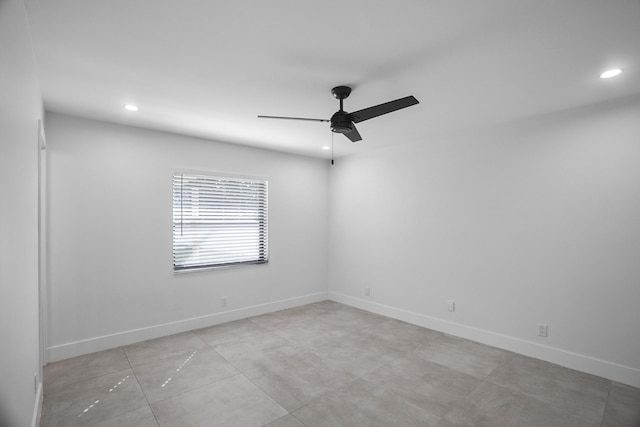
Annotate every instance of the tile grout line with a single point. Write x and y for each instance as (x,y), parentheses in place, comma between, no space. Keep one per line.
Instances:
(240,372)
(87,378)
(185,391)
(298,419)
(299,348)
(146,398)
(606,403)
(256,385)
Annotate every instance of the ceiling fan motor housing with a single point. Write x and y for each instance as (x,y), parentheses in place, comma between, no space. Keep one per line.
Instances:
(341,123)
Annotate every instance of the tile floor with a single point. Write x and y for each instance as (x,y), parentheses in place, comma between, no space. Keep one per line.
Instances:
(325,364)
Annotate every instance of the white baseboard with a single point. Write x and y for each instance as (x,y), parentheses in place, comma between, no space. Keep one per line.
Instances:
(615,372)
(91,345)
(602,368)
(37,410)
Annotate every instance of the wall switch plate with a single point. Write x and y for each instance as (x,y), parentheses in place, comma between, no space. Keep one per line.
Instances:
(542,329)
(367,292)
(223,302)
(451,305)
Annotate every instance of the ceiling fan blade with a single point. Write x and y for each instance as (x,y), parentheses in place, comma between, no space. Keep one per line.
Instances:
(293,118)
(354,135)
(378,110)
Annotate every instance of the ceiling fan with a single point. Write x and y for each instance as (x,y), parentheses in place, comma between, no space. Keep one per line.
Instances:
(343,122)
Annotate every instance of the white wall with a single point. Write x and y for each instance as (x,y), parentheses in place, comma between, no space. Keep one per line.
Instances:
(20,110)
(111,279)
(536,222)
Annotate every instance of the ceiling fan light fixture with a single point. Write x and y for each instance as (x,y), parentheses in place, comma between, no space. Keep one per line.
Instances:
(610,73)
(341,123)
(341,127)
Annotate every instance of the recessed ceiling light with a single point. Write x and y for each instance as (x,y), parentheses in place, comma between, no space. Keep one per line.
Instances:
(131,107)
(326,147)
(610,73)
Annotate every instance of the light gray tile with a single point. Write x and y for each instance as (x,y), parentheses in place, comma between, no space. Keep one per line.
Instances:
(400,335)
(352,319)
(294,378)
(623,407)
(463,355)
(84,367)
(315,310)
(290,317)
(312,333)
(245,355)
(178,374)
(161,348)
(327,304)
(355,354)
(142,417)
(271,321)
(364,404)
(286,421)
(581,394)
(431,386)
(230,402)
(490,405)
(94,400)
(239,330)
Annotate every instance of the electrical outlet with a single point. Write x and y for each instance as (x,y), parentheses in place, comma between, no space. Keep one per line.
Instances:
(367,292)
(223,302)
(542,329)
(451,305)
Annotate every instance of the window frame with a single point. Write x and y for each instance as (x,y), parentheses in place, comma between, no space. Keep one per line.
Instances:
(262,233)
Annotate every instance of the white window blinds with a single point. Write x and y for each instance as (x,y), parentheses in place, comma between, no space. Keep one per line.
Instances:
(218,221)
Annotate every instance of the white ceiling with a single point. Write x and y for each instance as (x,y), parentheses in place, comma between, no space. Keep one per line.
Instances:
(208,68)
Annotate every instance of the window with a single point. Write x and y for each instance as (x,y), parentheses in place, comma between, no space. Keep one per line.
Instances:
(218,221)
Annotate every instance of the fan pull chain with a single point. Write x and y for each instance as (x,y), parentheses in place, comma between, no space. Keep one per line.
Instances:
(331,148)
